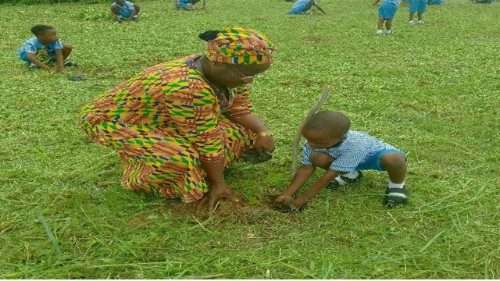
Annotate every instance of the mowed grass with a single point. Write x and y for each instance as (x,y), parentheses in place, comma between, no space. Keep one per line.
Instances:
(431,90)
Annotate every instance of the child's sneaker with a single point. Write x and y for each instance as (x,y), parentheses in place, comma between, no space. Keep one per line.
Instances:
(343,180)
(119,19)
(67,63)
(379,32)
(388,32)
(135,18)
(394,197)
(420,22)
(32,66)
(412,22)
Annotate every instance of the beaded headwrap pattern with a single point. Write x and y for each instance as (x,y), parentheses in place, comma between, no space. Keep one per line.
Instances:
(237,45)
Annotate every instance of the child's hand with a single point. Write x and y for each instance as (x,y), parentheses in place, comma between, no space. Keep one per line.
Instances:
(283,198)
(299,202)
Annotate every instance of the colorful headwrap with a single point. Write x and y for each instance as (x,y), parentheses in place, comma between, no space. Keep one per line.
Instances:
(237,45)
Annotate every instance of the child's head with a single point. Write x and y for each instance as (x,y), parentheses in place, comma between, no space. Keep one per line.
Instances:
(326,129)
(45,33)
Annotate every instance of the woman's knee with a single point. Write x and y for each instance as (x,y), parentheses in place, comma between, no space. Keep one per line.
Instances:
(321,159)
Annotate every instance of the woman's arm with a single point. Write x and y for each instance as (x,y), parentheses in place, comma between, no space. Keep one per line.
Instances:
(240,111)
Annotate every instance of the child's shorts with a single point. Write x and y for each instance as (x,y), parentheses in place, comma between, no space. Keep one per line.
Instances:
(127,13)
(418,6)
(387,10)
(373,162)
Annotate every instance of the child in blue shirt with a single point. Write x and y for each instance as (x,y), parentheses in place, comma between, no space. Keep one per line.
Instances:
(419,7)
(125,10)
(302,6)
(187,5)
(45,48)
(386,13)
(343,154)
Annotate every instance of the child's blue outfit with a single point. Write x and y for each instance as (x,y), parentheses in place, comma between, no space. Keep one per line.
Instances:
(388,9)
(358,151)
(126,10)
(32,45)
(434,2)
(418,6)
(184,4)
(301,7)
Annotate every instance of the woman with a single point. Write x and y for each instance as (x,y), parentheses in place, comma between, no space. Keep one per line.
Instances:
(177,125)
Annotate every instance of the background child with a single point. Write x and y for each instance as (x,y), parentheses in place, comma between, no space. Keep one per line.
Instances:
(125,10)
(187,5)
(302,6)
(343,154)
(419,7)
(46,44)
(386,13)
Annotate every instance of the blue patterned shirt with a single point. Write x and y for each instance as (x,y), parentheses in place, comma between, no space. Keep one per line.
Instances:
(32,45)
(354,150)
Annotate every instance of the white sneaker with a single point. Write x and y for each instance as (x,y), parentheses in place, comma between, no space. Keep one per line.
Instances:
(420,22)
(379,32)
(388,32)
(412,22)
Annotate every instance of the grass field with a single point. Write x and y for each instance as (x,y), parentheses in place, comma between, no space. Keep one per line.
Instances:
(431,90)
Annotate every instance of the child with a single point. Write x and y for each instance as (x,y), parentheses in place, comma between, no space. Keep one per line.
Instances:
(386,13)
(419,7)
(343,154)
(187,5)
(125,10)
(302,6)
(45,43)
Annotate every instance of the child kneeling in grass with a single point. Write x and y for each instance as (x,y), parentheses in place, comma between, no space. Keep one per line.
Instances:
(45,48)
(125,10)
(301,7)
(343,154)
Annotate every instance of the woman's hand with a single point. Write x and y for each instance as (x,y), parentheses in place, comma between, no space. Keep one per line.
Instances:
(215,193)
(264,143)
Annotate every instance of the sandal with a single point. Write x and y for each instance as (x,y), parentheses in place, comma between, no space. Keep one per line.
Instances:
(395,197)
(335,184)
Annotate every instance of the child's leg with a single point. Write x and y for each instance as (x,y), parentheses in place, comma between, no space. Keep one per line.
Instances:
(66,50)
(115,10)
(137,9)
(419,16)
(322,160)
(412,15)
(395,165)
(388,25)
(380,24)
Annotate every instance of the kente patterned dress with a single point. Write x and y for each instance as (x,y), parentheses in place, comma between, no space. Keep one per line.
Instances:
(163,121)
